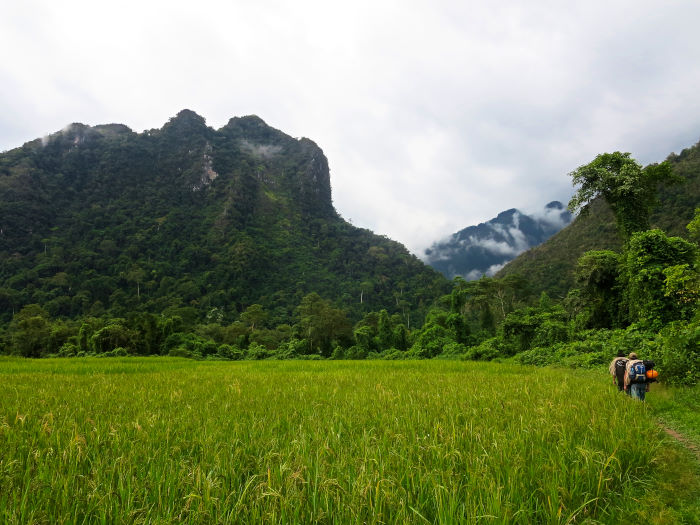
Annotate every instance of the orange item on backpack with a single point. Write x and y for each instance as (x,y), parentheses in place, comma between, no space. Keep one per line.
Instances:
(652,374)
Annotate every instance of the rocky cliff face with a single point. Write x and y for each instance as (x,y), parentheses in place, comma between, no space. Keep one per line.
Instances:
(184,156)
(486,248)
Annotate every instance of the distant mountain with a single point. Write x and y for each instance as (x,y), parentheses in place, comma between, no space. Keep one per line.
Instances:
(550,266)
(486,248)
(189,221)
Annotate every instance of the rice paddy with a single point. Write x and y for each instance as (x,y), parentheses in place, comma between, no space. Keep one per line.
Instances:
(155,440)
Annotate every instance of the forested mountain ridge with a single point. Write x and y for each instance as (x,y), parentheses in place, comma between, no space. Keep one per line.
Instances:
(550,266)
(192,221)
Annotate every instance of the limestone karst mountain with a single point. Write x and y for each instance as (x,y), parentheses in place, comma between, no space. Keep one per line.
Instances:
(186,218)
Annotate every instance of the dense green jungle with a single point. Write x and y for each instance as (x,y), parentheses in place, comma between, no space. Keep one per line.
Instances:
(224,244)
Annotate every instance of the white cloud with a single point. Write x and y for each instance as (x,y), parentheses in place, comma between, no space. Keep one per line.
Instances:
(494,246)
(434,115)
(477,274)
(493,269)
(473,275)
(519,241)
(554,217)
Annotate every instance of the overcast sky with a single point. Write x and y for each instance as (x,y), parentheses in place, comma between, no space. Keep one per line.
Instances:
(434,115)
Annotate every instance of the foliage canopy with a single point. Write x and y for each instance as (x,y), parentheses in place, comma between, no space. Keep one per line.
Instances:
(629,189)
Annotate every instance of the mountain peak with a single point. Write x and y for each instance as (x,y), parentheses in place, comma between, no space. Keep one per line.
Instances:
(186,122)
(504,216)
(247,121)
(484,249)
(188,115)
(76,134)
(554,205)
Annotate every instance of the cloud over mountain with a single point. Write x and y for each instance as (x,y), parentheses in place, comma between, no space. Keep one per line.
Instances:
(486,248)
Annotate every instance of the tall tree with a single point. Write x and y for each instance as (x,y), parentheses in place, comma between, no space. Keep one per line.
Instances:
(629,189)
(321,324)
(254,316)
(29,331)
(596,275)
(385,335)
(654,261)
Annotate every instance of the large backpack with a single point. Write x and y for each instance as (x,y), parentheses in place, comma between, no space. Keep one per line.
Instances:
(652,374)
(638,373)
(620,367)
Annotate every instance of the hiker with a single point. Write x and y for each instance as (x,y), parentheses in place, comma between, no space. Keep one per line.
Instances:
(635,377)
(617,369)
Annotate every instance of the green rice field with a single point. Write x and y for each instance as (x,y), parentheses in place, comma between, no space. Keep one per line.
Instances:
(164,440)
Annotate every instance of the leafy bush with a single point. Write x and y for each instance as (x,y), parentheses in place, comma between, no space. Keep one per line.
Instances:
(528,327)
(430,342)
(677,354)
(180,351)
(550,332)
(356,352)
(537,356)
(652,259)
(231,352)
(68,350)
(257,352)
(393,354)
(592,348)
(292,349)
(486,350)
(572,355)
(453,349)
(110,337)
(610,342)
(589,360)
(196,345)
(390,354)
(338,353)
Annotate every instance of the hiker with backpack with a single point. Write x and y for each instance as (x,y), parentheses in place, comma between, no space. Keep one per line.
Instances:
(617,369)
(636,384)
